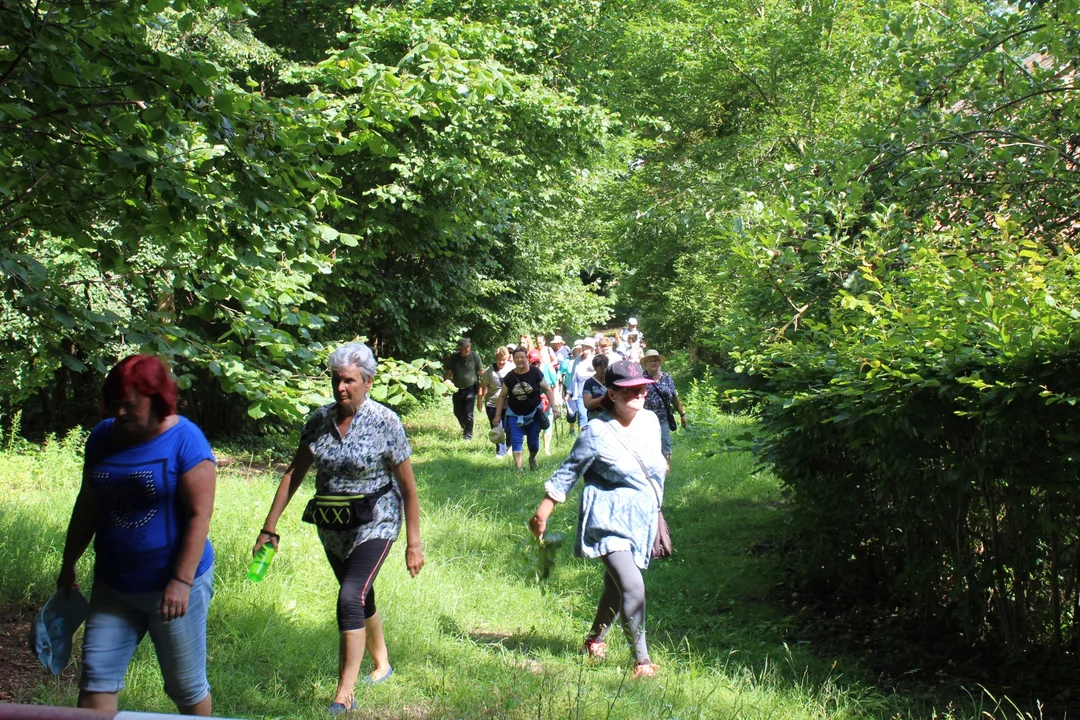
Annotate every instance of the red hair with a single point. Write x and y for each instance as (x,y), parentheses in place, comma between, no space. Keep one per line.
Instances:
(146,375)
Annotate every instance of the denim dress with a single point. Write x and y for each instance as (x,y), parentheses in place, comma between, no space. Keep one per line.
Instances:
(618,504)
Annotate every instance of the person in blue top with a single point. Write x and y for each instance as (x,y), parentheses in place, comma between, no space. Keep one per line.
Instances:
(618,457)
(146,498)
(552,379)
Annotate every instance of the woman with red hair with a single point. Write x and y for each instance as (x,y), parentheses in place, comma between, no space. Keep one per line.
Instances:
(147,495)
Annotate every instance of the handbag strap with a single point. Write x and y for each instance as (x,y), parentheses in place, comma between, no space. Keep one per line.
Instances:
(648,477)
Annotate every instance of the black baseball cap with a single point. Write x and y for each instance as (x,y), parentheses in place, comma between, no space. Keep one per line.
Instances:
(626,374)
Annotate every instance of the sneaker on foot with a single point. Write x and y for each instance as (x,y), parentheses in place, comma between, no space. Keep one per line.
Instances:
(532,463)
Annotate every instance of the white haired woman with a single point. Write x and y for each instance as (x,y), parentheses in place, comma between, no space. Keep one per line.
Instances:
(361,458)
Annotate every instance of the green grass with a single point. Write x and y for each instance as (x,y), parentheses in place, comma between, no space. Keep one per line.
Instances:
(475,634)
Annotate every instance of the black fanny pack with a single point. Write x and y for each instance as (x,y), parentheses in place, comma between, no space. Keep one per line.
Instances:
(343,511)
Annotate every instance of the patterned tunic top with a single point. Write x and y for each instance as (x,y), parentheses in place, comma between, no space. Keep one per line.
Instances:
(663,388)
(618,504)
(361,462)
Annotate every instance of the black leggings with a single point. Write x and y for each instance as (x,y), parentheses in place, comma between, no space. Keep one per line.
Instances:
(356,598)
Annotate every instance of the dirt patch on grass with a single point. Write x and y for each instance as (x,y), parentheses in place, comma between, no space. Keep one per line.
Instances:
(21,675)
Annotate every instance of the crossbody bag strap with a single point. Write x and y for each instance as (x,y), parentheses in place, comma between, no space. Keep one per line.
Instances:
(648,477)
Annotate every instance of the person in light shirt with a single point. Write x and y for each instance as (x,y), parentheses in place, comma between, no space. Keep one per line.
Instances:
(617,456)
(581,373)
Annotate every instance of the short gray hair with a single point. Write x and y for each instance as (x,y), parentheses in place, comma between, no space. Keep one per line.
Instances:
(356,355)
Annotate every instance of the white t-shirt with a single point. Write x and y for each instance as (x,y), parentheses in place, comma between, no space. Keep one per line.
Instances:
(584,372)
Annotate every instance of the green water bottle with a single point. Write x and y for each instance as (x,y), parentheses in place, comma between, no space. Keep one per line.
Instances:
(261,563)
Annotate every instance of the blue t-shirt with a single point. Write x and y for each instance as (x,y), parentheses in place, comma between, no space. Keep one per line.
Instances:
(141,517)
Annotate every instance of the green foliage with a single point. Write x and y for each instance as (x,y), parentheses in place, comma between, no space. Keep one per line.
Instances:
(399,384)
(152,203)
(443,153)
(170,183)
(725,101)
(474,634)
(918,298)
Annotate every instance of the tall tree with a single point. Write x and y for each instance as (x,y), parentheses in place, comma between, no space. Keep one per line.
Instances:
(172,183)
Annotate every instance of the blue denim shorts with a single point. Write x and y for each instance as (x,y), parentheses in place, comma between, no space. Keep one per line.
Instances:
(117,623)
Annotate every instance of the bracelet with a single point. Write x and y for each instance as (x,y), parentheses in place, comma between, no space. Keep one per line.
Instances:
(266,532)
(180,579)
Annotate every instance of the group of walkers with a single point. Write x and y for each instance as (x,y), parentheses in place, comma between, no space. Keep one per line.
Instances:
(149,481)
(527,387)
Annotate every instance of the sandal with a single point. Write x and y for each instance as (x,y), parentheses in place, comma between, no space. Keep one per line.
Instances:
(368,680)
(645,670)
(595,648)
(337,708)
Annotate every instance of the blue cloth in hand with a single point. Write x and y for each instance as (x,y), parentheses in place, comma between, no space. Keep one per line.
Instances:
(54,627)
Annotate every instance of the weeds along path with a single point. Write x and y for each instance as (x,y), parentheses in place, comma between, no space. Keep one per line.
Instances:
(475,634)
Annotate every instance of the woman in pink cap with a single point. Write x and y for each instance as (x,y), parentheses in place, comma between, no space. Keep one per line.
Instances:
(618,456)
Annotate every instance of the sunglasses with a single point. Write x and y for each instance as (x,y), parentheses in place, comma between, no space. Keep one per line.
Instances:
(636,391)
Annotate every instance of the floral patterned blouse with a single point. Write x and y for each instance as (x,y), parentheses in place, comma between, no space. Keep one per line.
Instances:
(664,387)
(361,462)
(618,504)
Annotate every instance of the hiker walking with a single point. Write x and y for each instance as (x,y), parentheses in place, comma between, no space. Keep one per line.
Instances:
(463,368)
(520,399)
(361,458)
(617,455)
(662,399)
(490,386)
(146,499)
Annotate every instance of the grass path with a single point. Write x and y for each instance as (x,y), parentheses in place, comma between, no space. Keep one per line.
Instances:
(475,634)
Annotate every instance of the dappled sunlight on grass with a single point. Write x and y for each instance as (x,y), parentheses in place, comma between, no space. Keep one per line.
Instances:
(476,634)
